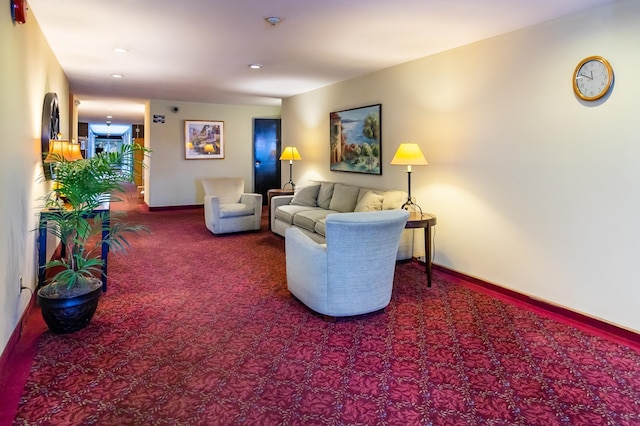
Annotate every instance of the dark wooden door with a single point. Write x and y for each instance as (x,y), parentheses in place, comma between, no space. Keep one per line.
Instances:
(266,151)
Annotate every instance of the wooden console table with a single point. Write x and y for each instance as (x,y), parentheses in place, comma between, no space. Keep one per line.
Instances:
(46,214)
(425,221)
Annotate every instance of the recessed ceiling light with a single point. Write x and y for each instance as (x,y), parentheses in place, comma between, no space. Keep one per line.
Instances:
(121,50)
(117,75)
(255,66)
(109,116)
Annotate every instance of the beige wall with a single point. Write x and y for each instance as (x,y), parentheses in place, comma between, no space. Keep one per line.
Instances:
(29,70)
(534,189)
(174,181)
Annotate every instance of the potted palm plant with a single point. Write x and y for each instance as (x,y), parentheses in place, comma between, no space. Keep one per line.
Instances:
(76,216)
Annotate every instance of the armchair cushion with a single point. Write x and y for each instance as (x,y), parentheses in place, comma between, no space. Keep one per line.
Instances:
(235,210)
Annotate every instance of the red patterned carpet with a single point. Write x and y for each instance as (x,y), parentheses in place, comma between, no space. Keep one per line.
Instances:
(201,330)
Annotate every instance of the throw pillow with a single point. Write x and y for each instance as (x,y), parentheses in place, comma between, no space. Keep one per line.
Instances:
(344,198)
(393,199)
(369,202)
(306,196)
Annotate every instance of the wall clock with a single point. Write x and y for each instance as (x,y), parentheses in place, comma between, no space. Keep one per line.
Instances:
(50,126)
(19,11)
(592,78)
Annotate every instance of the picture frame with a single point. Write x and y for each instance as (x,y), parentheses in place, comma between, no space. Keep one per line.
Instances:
(203,140)
(355,140)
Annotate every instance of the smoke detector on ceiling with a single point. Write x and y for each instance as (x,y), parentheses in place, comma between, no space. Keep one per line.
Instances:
(273,20)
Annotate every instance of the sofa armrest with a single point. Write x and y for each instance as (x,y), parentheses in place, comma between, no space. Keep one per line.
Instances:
(254,200)
(280,200)
(274,203)
(211,212)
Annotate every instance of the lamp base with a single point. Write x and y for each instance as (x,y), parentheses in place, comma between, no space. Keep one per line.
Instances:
(410,205)
(293,185)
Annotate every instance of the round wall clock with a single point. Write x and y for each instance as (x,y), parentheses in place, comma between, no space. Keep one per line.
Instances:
(592,78)
(19,11)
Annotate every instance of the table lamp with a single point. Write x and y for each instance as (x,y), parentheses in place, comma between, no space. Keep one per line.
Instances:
(290,153)
(58,151)
(409,154)
(73,152)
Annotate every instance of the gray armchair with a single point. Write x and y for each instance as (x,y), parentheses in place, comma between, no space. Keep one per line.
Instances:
(352,273)
(227,208)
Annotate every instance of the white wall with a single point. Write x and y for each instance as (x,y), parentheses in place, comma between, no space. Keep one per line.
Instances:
(174,181)
(29,70)
(534,190)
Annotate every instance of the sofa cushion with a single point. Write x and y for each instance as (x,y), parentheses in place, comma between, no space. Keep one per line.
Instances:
(344,198)
(369,202)
(235,210)
(321,227)
(306,196)
(393,199)
(287,212)
(325,194)
(307,219)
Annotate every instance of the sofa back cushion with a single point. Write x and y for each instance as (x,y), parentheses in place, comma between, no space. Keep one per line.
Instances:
(306,196)
(325,194)
(345,198)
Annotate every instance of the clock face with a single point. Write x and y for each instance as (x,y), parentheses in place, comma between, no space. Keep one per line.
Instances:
(592,78)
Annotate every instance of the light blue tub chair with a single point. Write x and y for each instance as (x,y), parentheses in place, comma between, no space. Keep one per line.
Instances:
(352,273)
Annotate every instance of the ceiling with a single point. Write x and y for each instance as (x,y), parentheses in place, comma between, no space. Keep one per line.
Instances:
(200,50)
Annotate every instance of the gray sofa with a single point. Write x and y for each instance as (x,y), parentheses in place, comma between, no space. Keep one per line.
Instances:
(308,208)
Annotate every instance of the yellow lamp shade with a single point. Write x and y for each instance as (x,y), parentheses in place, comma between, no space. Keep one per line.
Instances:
(57,151)
(409,154)
(73,152)
(290,153)
(63,151)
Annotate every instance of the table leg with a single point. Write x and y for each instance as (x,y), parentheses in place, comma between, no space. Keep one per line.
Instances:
(42,251)
(105,248)
(427,252)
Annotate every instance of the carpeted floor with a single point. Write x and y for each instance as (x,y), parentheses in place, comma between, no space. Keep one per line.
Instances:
(201,330)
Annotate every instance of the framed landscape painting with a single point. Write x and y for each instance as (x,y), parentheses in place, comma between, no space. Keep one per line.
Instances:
(355,140)
(203,140)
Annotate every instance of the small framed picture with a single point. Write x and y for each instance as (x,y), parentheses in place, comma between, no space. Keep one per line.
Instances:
(203,140)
